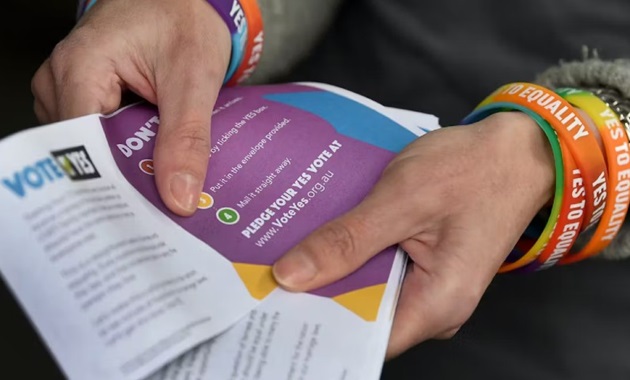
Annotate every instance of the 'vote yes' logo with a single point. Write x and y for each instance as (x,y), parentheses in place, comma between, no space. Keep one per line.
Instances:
(74,163)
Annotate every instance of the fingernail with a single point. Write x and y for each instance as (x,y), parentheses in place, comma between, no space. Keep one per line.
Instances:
(185,191)
(294,270)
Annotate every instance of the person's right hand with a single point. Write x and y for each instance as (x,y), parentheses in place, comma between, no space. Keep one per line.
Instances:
(456,200)
(173,53)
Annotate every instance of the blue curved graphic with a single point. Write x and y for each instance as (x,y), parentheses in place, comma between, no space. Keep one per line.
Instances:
(354,120)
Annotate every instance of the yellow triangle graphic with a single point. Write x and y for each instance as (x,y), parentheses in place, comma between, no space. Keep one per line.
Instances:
(258,279)
(363,302)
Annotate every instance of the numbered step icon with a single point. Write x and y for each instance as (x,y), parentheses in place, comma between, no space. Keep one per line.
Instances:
(147,166)
(205,201)
(228,215)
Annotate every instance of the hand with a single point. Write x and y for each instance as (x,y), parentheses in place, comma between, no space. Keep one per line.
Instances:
(174,53)
(457,200)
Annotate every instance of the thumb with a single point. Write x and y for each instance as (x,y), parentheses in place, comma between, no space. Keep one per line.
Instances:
(185,100)
(340,247)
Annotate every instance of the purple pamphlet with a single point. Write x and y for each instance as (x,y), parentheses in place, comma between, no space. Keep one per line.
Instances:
(285,160)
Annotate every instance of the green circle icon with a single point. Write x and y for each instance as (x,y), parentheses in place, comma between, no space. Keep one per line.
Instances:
(228,215)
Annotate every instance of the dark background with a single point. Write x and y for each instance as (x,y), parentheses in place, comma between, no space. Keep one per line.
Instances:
(29,31)
(567,323)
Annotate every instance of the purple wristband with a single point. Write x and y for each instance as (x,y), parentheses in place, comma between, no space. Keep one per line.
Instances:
(233,15)
(231,12)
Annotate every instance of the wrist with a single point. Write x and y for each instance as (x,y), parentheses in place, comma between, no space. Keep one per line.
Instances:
(526,148)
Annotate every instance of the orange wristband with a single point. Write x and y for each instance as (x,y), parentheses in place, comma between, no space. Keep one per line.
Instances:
(617,151)
(254,45)
(573,130)
(570,219)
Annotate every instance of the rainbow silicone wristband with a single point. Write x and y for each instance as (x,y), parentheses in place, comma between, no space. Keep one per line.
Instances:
(617,103)
(489,109)
(232,14)
(617,151)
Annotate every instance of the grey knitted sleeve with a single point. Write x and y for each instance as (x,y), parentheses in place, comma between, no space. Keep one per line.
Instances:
(596,73)
(590,72)
(292,27)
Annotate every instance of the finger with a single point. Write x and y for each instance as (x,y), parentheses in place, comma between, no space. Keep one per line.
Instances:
(428,311)
(442,288)
(448,334)
(412,322)
(340,247)
(84,82)
(43,90)
(185,99)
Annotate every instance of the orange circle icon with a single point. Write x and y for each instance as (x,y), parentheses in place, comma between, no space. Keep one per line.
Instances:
(147,166)
(205,201)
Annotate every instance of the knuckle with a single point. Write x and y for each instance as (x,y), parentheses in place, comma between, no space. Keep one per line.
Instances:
(60,57)
(449,334)
(342,242)
(38,82)
(193,137)
(71,50)
(463,299)
(103,89)
(40,113)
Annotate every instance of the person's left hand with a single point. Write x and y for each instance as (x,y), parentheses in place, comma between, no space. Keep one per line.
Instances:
(457,200)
